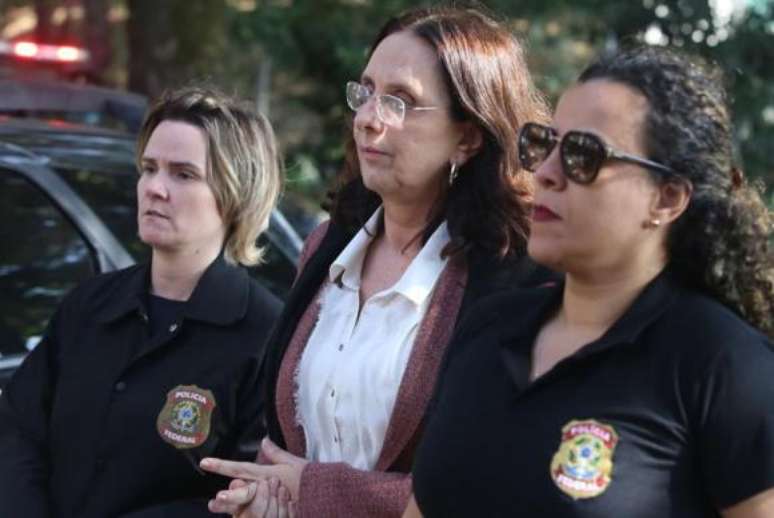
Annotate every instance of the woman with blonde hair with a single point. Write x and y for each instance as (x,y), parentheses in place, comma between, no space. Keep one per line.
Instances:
(144,371)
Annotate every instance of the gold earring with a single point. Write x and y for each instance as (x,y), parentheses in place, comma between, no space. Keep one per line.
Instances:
(452,173)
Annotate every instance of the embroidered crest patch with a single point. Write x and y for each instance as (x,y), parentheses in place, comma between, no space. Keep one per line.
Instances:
(583,465)
(184,422)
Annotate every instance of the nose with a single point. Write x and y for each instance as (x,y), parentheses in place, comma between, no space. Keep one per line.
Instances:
(367,118)
(549,174)
(153,185)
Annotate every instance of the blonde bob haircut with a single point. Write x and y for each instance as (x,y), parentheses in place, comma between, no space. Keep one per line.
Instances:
(243,165)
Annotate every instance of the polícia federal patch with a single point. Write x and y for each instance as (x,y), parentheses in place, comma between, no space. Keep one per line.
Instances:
(185,420)
(583,465)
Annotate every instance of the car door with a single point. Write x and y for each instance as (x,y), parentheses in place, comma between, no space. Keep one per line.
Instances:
(50,241)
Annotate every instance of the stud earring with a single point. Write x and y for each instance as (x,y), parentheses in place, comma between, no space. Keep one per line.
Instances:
(652,223)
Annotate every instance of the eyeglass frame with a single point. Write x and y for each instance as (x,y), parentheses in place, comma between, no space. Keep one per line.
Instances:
(609,153)
(379,99)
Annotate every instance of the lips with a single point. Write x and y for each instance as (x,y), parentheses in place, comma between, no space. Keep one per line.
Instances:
(155,214)
(543,213)
(370,151)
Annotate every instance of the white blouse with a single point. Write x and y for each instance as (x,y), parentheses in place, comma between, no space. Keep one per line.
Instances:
(350,372)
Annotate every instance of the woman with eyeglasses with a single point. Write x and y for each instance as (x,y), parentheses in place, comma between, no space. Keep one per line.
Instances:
(429,217)
(643,385)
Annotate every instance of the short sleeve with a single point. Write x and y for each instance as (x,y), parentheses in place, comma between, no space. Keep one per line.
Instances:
(735,408)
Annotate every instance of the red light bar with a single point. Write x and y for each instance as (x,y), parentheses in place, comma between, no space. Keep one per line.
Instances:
(42,52)
(25,49)
(68,53)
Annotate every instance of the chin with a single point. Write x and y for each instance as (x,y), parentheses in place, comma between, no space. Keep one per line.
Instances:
(546,254)
(154,239)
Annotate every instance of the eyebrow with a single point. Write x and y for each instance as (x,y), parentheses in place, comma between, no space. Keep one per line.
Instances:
(178,164)
(365,78)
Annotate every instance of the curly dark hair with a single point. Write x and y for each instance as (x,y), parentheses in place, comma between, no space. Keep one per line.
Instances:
(486,74)
(720,245)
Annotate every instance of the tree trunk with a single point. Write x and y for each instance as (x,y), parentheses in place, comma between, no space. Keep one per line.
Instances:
(97,37)
(173,42)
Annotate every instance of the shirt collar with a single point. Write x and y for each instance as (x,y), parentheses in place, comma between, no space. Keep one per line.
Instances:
(417,281)
(346,268)
(221,296)
(537,304)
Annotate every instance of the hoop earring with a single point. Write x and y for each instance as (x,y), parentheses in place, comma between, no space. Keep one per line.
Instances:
(453,173)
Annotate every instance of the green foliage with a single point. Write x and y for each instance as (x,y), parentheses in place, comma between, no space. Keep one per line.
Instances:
(317,45)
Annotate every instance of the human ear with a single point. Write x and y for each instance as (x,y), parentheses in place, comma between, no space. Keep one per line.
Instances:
(671,200)
(470,142)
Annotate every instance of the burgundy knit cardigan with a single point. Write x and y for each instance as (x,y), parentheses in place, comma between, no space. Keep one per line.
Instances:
(338,489)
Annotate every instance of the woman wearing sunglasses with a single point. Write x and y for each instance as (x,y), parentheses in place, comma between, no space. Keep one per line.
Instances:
(642,385)
(430,216)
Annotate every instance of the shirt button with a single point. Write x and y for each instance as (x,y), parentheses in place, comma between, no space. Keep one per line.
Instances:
(172,328)
(335,439)
(341,347)
(120,386)
(333,393)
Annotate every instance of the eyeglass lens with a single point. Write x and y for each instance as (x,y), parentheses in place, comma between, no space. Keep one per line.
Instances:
(390,109)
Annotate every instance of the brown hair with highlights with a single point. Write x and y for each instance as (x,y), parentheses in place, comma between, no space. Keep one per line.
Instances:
(486,74)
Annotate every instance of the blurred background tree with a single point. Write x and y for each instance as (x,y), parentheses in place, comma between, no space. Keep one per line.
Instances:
(294,56)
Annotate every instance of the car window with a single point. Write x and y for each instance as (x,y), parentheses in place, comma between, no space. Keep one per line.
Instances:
(42,257)
(113,196)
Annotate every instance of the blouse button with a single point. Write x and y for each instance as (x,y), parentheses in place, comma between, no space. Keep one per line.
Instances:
(333,393)
(341,347)
(172,328)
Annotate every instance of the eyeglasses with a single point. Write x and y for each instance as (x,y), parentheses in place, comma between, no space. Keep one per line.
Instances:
(582,153)
(390,109)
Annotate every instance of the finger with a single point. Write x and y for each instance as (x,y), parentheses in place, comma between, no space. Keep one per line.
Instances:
(272,510)
(283,497)
(234,469)
(238,497)
(274,485)
(219,507)
(237,483)
(292,512)
(277,455)
(258,507)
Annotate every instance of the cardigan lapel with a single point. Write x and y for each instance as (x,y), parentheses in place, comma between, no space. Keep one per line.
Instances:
(419,379)
(292,431)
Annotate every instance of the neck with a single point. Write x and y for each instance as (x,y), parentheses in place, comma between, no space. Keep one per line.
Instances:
(174,275)
(403,226)
(596,301)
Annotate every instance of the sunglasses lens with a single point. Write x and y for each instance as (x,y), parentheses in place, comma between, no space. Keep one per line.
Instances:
(582,156)
(535,144)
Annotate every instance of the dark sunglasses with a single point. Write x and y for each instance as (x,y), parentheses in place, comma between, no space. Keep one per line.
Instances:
(582,153)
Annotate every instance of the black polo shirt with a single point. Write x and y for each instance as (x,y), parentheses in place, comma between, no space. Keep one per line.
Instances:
(669,414)
(78,421)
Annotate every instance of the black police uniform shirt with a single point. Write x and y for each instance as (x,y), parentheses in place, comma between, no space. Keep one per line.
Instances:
(78,421)
(669,414)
